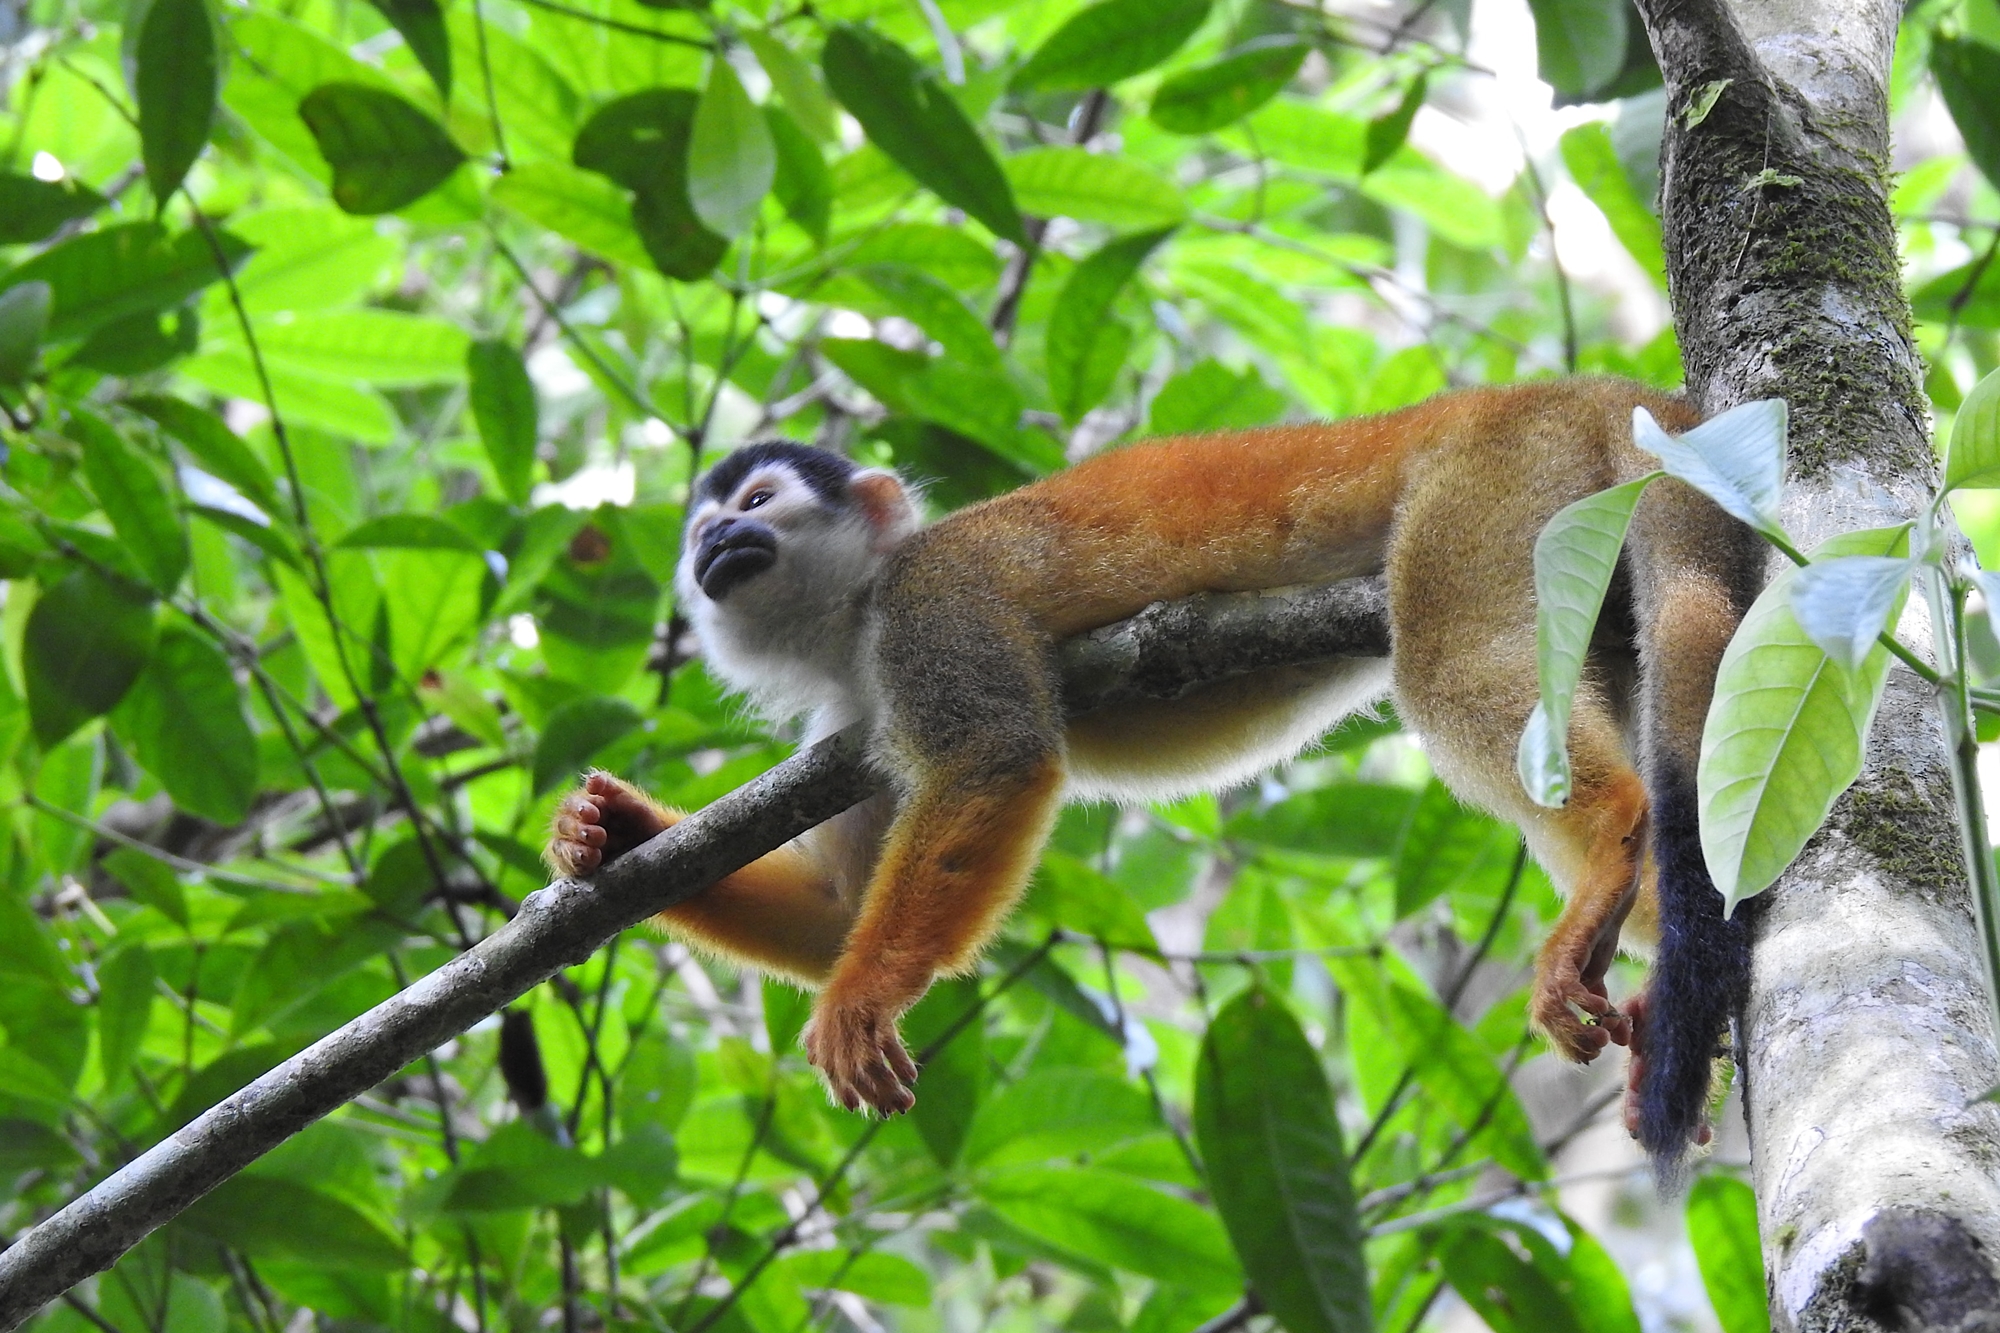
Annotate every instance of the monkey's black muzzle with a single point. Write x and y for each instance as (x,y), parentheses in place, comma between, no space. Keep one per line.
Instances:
(731,553)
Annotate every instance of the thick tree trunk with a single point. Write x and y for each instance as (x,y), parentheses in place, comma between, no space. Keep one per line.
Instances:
(1867,1034)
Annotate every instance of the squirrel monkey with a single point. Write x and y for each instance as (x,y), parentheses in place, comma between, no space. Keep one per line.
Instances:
(816,592)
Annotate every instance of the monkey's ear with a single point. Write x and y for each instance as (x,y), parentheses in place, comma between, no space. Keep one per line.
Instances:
(886,504)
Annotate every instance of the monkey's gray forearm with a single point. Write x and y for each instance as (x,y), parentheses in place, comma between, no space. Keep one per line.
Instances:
(1173,648)
(1163,652)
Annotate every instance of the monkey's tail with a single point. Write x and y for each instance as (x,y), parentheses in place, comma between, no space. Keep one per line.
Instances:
(1699,982)
(1696,573)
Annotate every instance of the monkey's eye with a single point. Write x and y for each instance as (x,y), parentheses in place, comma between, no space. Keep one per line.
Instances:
(762,495)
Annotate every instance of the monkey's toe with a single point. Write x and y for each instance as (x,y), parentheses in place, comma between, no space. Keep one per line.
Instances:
(1554,1012)
(862,1060)
(599,822)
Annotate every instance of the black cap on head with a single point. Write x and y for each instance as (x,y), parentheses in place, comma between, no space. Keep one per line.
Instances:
(827,473)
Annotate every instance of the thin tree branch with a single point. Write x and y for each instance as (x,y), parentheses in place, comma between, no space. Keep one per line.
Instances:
(1170,648)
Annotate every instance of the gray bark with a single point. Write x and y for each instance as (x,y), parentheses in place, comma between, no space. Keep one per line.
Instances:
(1867,1034)
(1162,653)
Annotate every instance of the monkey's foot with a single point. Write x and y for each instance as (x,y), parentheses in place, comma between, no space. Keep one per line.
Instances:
(861,1056)
(1635,1073)
(1561,991)
(598,823)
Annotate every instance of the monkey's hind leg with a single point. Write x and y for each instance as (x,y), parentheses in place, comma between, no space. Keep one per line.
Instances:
(958,856)
(781,913)
(1601,832)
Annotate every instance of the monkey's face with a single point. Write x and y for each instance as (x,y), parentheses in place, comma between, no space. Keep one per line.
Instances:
(734,548)
(784,540)
(735,538)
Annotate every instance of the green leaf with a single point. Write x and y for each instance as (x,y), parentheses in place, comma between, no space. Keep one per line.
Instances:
(27,1146)
(1575,558)
(1111,41)
(268,540)
(1208,396)
(1387,133)
(795,82)
(30,209)
(1344,819)
(1080,377)
(432,599)
(1597,1290)
(177,74)
(347,409)
(149,881)
(1972,459)
(575,732)
(1722,1227)
(1107,1218)
(285,1220)
(803,185)
(1454,208)
(303,957)
(1070,893)
(105,275)
(139,343)
(1461,1079)
(1515,1288)
(954,1075)
(24,319)
(219,449)
(387,348)
(1580,43)
(1593,163)
(124,1003)
(786,1010)
(642,142)
(1093,187)
(936,309)
(1968,78)
(184,718)
(129,488)
(579,206)
(87,640)
(503,405)
(917,122)
(731,159)
(1057,1113)
(1844,604)
(1224,91)
(313,257)
(945,253)
(384,152)
(1276,1166)
(875,1275)
(420,532)
(519,1168)
(421,23)
(1785,734)
(1736,459)
(1446,846)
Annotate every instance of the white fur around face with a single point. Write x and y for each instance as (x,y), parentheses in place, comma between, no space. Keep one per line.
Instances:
(790,637)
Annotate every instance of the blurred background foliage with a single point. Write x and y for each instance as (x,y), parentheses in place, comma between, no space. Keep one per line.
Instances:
(355,359)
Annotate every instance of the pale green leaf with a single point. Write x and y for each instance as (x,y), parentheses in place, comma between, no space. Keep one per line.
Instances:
(1785,734)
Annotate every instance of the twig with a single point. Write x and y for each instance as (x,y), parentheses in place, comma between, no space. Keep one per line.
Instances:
(558,927)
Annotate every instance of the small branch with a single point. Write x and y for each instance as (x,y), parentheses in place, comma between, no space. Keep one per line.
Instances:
(564,924)
(1014,282)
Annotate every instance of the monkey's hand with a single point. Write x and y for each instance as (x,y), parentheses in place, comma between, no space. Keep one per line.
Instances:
(857,1050)
(600,822)
(1569,984)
